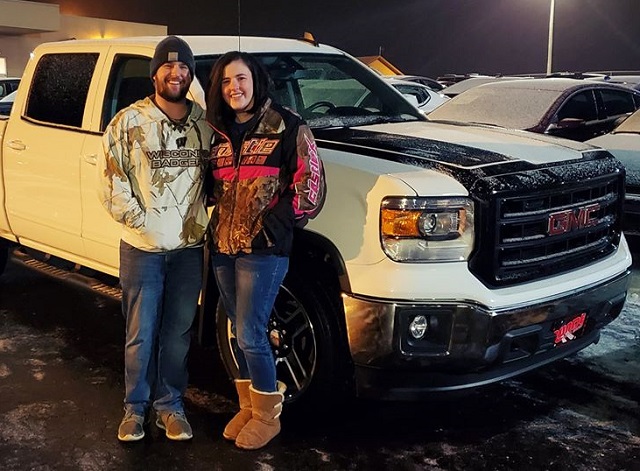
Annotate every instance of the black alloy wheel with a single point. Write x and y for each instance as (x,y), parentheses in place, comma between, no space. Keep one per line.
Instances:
(304,339)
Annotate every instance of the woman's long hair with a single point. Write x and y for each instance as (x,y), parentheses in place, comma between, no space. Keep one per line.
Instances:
(218,111)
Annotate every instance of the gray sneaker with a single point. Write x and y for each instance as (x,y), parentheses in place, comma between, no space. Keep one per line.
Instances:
(131,428)
(174,424)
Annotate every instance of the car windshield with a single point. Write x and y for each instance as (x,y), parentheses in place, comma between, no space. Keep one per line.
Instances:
(328,90)
(513,108)
(631,124)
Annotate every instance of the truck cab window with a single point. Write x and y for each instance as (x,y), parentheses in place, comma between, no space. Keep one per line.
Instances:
(59,88)
(128,82)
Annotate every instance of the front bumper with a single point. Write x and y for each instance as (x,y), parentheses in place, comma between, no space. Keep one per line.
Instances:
(468,345)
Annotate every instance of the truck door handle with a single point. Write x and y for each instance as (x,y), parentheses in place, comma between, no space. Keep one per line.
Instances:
(16,145)
(91,159)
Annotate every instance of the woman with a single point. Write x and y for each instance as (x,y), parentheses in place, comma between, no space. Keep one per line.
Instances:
(267,178)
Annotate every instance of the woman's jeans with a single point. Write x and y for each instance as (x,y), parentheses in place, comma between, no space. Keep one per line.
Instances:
(159,300)
(248,287)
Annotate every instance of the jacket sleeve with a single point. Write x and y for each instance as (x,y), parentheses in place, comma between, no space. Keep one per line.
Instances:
(308,184)
(114,185)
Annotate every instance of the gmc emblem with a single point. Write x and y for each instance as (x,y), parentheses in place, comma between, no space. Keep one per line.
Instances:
(572,219)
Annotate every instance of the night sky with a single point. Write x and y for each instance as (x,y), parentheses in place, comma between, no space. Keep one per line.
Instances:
(427,37)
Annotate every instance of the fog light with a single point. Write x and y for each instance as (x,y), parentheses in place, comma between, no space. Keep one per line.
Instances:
(418,327)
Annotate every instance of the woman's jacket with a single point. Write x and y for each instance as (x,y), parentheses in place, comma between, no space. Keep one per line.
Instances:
(261,190)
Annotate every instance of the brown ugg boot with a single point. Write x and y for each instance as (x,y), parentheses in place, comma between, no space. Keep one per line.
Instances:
(265,418)
(243,416)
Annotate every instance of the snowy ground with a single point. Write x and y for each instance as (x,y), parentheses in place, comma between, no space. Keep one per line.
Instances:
(61,398)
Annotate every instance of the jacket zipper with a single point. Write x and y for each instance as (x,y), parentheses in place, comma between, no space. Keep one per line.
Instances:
(236,167)
(235,182)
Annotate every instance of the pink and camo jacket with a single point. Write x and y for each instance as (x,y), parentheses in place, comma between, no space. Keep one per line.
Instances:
(261,191)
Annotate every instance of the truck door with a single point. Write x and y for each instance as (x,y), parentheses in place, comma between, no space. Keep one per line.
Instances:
(42,150)
(125,80)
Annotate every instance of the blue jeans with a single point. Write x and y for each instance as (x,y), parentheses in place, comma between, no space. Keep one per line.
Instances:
(248,287)
(159,300)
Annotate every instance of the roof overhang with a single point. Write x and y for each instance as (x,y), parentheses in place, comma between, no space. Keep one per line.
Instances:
(20,17)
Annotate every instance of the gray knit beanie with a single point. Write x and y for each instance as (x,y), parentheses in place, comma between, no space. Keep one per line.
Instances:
(172,49)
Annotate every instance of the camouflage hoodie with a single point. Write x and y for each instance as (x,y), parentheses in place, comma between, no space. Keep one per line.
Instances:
(151,178)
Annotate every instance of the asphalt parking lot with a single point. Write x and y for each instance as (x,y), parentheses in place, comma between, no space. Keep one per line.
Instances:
(61,388)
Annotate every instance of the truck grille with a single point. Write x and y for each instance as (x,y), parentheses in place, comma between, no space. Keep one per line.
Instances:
(551,230)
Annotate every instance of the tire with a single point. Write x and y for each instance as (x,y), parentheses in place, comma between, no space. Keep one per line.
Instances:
(305,338)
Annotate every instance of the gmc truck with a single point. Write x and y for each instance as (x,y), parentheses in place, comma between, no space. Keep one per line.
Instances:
(446,257)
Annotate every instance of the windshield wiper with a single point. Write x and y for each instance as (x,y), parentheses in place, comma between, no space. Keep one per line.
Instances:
(464,123)
(356,121)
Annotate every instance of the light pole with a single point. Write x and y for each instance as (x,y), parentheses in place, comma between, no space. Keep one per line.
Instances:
(550,44)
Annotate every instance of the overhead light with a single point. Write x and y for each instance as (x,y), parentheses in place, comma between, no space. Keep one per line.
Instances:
(3,66)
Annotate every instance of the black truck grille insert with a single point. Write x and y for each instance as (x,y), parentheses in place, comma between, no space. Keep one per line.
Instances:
(549,231)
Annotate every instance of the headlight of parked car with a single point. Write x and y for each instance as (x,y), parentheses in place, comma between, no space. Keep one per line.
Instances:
(427,229)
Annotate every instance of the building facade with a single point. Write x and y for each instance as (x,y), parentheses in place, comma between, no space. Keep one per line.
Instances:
(24,25)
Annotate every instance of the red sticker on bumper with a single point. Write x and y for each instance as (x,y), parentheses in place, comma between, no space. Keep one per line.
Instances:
(567,332)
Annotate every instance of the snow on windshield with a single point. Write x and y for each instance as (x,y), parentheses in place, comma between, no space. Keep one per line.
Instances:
(507,107)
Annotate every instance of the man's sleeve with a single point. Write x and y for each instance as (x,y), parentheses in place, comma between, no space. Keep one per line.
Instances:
(114,187)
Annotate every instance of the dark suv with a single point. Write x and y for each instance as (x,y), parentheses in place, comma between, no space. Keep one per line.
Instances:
(562,107)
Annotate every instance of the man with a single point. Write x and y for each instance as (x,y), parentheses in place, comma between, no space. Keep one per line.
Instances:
(151,181)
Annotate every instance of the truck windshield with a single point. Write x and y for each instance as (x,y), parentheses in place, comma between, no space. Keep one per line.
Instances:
(328,90)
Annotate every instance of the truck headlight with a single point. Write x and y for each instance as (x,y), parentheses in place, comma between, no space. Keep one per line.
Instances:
(427,229)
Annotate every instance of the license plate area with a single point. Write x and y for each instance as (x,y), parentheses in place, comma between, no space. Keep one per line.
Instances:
(569,328)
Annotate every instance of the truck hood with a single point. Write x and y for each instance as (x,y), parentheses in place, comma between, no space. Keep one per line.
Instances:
(483,159)
(460,145)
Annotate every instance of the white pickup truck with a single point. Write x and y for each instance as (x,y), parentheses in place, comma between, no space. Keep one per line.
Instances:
(446,257)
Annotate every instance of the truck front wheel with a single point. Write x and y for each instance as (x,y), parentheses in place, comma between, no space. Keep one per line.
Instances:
(304,336)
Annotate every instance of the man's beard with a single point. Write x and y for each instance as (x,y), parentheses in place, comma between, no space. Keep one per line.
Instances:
(182,94)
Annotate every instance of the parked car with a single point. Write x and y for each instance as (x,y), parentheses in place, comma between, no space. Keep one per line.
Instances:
(624,143)
(471,82)
(424,98)
(6,103)
(8,85)
(433,84)
(449,79)
(569,108)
